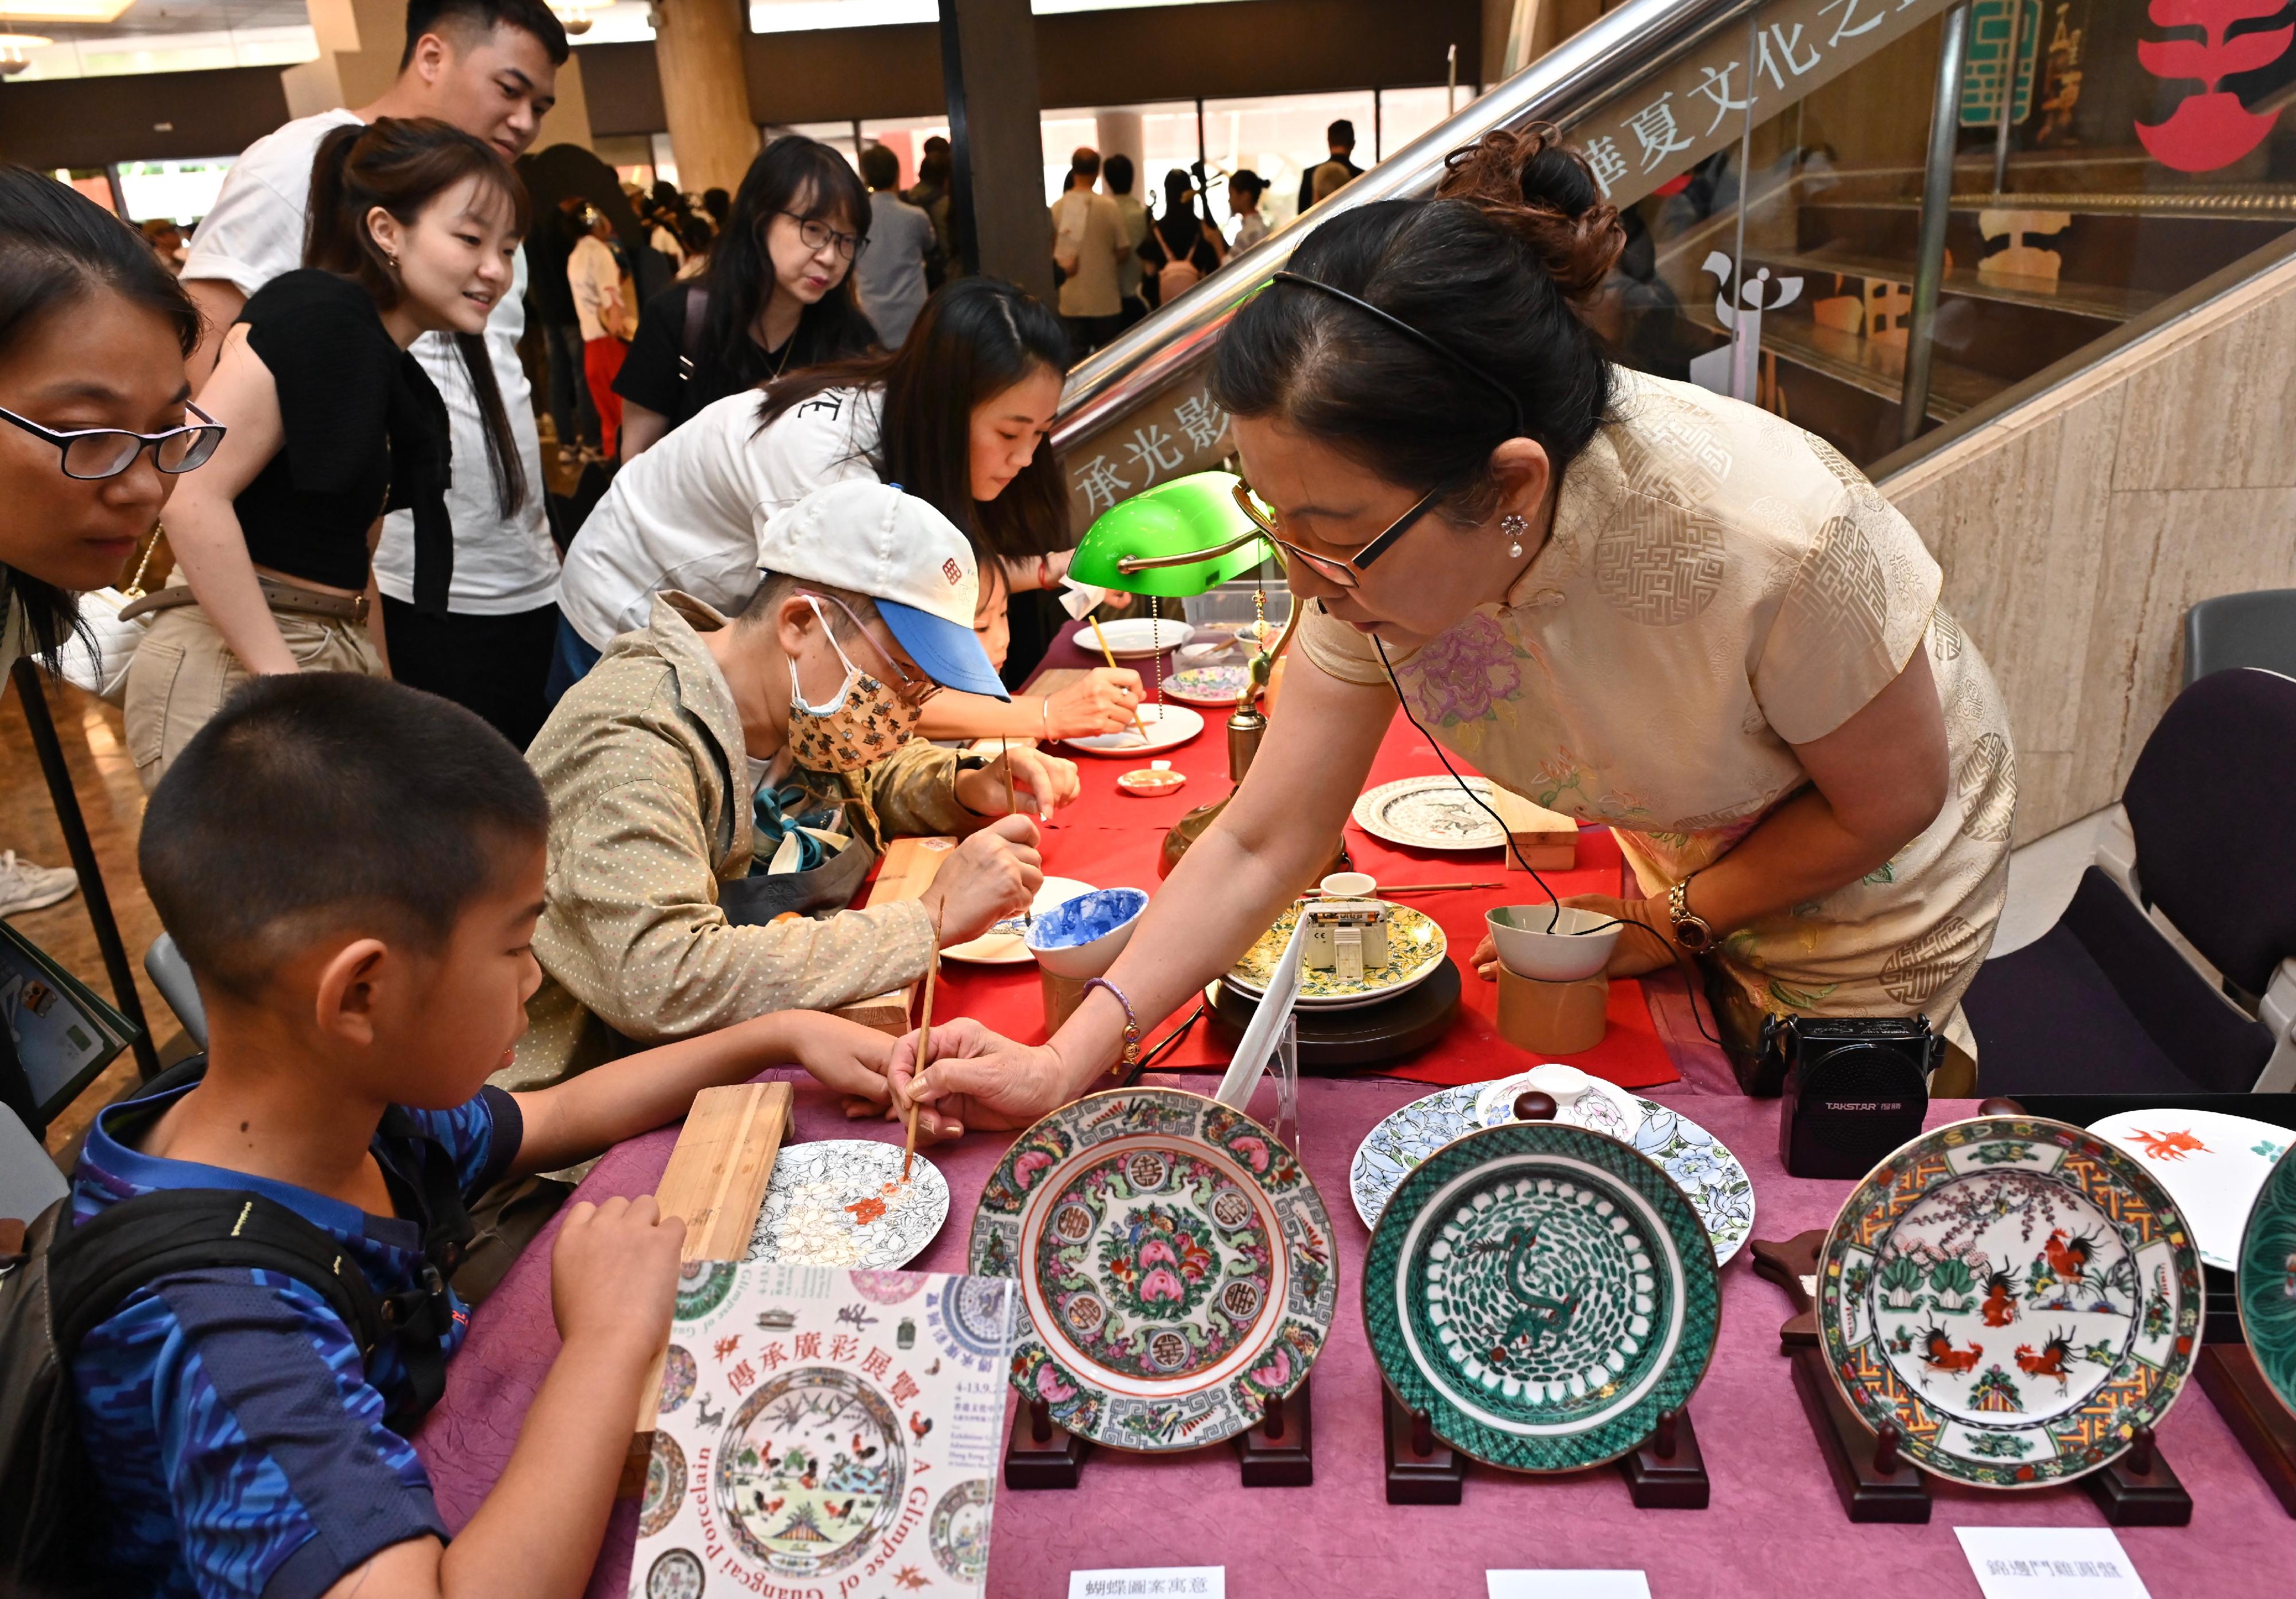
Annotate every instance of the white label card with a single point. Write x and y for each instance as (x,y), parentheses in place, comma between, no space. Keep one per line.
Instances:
(1568,1585)
(1151,1582)
(2050,1563)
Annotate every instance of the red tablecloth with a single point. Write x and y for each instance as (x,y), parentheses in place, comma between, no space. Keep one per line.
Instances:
(1775,1527)
(1111,839)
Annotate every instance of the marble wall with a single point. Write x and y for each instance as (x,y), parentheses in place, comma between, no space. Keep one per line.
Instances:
(2076,529)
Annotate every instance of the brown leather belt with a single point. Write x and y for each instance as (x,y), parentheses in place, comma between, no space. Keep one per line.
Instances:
(292,597)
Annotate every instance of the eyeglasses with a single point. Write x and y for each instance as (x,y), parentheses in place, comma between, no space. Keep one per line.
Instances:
(1347,573)
(93,454)
(818,236)
(914,689)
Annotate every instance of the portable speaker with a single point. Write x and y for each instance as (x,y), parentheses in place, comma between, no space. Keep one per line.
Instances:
(1856,1088)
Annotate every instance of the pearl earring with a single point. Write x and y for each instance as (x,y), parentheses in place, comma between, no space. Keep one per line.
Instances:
(1514,526)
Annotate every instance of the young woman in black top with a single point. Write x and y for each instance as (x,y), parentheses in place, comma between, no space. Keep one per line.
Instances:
(1178,236)
(413,226)
(776,296)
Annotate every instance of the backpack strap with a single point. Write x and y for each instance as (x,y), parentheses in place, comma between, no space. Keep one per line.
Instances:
(92,1267)
(689,343)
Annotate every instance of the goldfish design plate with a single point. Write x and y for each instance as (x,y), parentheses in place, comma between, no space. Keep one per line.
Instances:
(1177,1268)
(2212,1165)
(1543,1293)
(2017,1294)
(841,1202)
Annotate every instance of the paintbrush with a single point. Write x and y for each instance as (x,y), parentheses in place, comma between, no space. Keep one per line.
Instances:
(1013,808)
(924,1040)
(1109,655)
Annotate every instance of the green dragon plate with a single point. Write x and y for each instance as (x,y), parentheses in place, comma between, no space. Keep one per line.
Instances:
(1543,1293)
(2267,1281)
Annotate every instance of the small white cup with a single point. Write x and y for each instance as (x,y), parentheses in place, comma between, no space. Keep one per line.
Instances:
(1349,885)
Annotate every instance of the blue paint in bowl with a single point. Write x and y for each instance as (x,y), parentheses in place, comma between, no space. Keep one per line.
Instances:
(1075,932)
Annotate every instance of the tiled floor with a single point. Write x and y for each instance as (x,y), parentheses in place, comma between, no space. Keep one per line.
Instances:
(112,801)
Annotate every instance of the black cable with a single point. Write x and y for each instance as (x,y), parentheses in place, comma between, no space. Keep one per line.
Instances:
(1554,914)
(1164,1046)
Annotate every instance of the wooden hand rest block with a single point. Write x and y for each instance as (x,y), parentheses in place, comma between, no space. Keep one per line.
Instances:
(1547,840)
(715,1179)
(907,871)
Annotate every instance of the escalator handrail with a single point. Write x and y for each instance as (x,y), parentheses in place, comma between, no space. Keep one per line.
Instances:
(1602,60)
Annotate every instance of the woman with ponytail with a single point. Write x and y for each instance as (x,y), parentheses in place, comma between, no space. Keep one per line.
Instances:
(1626,599)
(413,225)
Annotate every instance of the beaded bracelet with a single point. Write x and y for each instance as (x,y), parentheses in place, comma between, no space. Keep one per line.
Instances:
(1131,1055)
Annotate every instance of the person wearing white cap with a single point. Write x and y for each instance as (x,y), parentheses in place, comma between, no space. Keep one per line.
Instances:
(711,774)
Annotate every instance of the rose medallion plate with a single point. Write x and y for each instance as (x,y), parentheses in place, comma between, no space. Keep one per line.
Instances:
(2016,1294)
(2211,1164)
(1177,1268)
(1415,946)
(2267,1282)
(1542,1294)
(1431,813)
(1209,684)
(1711,1177)
(841,1202)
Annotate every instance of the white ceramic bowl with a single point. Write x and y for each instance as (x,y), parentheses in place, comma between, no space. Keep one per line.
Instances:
(1081,937)
(1349,885)
(1564,955)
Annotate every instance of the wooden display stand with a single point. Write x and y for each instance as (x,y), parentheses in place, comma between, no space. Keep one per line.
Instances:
(906,872)
(1875,1481)
(1666,1472)
(1421,1469)
(715,1179)
(2254,1413)
(1280,1452)
(1546,841)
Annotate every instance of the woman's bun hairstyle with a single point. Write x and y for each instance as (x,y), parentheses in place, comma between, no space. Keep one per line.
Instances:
(1543,192)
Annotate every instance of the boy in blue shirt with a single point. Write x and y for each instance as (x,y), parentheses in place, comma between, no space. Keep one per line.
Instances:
(353,870)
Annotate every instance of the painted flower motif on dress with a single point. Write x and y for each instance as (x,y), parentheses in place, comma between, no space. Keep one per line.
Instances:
(1463,675)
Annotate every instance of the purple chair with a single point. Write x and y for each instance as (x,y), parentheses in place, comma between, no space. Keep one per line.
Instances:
(2104,1002)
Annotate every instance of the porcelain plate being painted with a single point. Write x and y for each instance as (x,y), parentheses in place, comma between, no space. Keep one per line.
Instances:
(841,1202)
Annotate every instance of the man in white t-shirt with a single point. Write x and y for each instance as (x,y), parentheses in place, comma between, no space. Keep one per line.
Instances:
(1087,245)
(490,68)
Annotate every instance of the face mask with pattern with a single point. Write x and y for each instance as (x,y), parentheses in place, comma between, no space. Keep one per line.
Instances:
(865,721)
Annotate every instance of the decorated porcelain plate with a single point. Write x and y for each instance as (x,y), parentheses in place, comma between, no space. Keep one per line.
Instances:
(1168,727)
(841,1202)
(2016,1294)
(1177,1268)
(1543,1293)
(1416,946)
(1209,684)
(1007,942)
(2211,1164)
(1137,636)
(1431,813)
(2267,1281)
(1711,1177)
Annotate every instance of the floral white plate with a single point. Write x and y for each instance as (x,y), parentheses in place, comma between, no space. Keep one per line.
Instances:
(1135,636)
(1168,727)
(1007,942)
(1603,1108)
(1431,813)
(2211,1164)
(841,1202)
(1701,1165)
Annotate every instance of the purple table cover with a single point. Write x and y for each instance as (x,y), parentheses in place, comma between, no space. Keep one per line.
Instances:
(1776,1526)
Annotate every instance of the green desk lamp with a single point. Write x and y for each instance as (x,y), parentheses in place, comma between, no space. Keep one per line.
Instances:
(1181,538)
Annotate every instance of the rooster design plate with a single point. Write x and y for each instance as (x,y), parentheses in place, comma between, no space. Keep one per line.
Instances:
(2016,1294)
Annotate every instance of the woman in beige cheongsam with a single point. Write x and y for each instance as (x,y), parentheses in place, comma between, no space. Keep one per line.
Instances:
(1624,598)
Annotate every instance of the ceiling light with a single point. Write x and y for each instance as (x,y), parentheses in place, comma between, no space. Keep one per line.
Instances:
(61,11)
(12,45)
(575,15)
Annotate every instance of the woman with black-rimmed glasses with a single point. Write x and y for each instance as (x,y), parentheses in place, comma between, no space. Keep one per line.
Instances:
(95,427)
(1625,599)
(93,335)
(777,296)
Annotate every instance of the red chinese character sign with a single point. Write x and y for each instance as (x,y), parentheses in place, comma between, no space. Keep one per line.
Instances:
(826,1434)
(2210,129)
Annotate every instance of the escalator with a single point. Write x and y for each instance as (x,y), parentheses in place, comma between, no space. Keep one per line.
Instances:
(1886,220)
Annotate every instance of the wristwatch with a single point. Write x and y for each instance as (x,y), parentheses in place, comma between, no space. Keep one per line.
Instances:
(1690,928)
